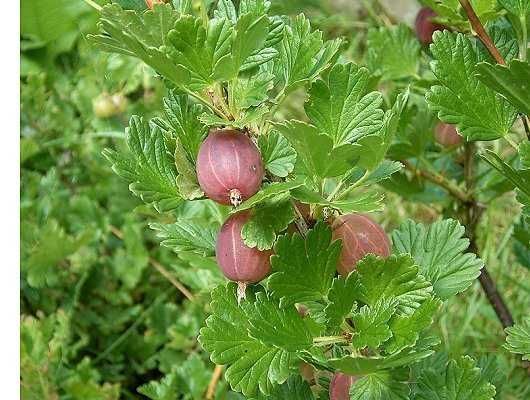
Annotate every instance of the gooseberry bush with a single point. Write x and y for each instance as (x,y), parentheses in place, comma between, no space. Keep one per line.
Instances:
(319,300)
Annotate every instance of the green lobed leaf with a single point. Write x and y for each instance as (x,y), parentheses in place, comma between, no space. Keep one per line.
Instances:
(315,151)
(181,123)
(341,298)
(303,270)
(511,82)
(455,98)
(268,219)
(245,92)
(281,327)
(519,8)
(367,201)
(252,365)
(395,277)
(406,329)
(278,156)
(149,168)
(140,35)
(520,178)
(438,250)
(187,182)
(188,235)
(302,54)
(201,51)
(268,192)
(461,379)
(371,149)
(372,324)
(295,388)
(165,389)
(518,339)
(388,385)
(393,52)
(340,106)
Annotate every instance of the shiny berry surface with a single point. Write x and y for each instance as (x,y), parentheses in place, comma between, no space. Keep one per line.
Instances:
(239,262)
(360,236)
(229,167)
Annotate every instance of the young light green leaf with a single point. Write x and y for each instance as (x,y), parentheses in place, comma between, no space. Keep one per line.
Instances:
(362,365)
(438,250)
(341,298)
(455,98)
(340,106)
(371,149)
(200,51)
(268,192)
(315,150)
(393,52)
(461,379)
(140,35)
(150,168)
(269,219)
(245,92)
(388,385)
(188,235)
(518,339)
(276,326)
(279,157)
(303,270)
(371,324)
(367,201)
(383,171)
(187,182)
(406,329)
(302,54)
(395,277)
(182,123)
(252,365)
(511,82)
(250,33)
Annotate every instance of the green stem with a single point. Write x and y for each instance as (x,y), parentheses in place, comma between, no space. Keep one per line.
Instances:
(93,4)
(354,185)
(524,44)
(327,340)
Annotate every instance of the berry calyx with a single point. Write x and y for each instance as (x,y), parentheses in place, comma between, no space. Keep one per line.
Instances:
(360,235)
(339,388)
(229,167)
(424,25)
(447,135)
(239,262)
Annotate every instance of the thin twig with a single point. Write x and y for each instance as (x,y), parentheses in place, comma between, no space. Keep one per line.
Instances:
(217,373)
(160,268)
(473,213)
(439,180)
(481,32)
(300,222)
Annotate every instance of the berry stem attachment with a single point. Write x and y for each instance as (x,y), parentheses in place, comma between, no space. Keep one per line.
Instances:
(241,292)
(235,197)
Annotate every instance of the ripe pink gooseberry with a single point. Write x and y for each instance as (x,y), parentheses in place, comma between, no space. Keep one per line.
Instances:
(447,135)
(239,262)
(229,167)
(425,27)
(360,235)
(339,388)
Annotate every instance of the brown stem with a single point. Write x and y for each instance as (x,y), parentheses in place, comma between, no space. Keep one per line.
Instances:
(481,32)
(160,268)
(439,180)
(217,372)
(473,213)
(300,221)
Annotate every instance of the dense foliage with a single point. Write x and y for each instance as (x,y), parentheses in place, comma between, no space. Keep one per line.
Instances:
(275,144)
